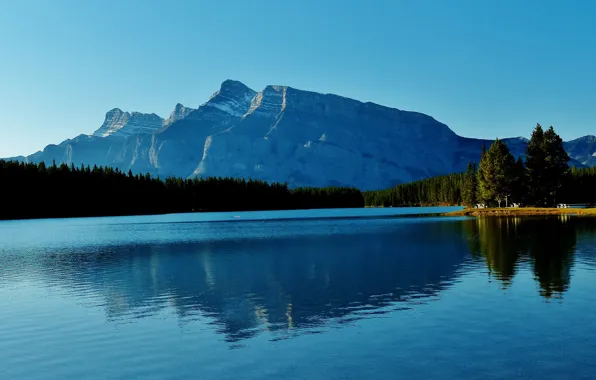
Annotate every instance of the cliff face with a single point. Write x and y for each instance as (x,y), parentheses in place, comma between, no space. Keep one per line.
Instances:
(286,135)
(121,124)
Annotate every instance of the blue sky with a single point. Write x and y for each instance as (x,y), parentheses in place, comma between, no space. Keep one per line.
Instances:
(485,68)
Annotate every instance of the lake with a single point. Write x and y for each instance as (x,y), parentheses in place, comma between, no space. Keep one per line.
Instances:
(318,294)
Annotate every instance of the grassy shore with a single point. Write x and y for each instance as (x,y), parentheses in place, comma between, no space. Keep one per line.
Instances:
(522,211)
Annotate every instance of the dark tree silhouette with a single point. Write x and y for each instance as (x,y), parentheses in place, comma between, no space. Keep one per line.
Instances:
(470,186)
(34,191)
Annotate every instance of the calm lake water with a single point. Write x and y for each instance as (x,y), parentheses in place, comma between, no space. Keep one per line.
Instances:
(326,296)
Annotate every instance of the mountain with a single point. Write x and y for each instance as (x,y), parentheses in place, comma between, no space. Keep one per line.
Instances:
(287,135)
(583,150)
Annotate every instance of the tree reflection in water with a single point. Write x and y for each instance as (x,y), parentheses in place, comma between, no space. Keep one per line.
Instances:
(546,243)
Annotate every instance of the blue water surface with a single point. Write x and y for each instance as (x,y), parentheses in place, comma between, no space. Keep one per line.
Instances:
(326,294)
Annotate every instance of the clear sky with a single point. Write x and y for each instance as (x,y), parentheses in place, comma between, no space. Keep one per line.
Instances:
(485,68)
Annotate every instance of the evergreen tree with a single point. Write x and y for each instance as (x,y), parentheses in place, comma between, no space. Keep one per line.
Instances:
(535,165)
(470,185)
(518,182)
(547,166)
(495,174)
(557,171)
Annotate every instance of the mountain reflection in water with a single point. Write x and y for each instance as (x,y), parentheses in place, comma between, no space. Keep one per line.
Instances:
(289,285)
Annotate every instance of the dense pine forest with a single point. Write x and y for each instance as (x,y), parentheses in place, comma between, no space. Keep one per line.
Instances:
(541,178)
(451,190)
(583,186)
(37,191)
(443,190)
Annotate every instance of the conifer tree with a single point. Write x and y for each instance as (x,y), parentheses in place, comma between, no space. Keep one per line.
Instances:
(470,185)
(495,173)
(518,182)
(535,164)
(547,166)
(557,169)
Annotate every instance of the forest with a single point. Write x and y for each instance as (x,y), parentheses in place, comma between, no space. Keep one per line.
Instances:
(36,191)
(442,190)
(541,178)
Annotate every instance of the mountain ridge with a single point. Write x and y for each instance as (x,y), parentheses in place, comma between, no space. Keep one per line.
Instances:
(284,134)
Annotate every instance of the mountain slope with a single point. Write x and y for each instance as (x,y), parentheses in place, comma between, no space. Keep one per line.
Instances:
(286,135)
(582,150)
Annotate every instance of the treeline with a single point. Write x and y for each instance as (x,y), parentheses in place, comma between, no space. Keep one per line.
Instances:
(40,191)
(443,190)
(583,186)
(541,178)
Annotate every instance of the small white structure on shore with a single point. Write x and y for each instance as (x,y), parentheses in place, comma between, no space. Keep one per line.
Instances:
(480,205)
(573,205)
(515,205)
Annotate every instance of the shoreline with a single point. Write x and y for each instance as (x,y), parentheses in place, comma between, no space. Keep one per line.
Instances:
(522,211)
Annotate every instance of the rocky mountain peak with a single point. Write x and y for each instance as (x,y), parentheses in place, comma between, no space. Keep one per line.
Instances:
(114,112)
(233,97)
(231,87)
(120,123)
(179,113)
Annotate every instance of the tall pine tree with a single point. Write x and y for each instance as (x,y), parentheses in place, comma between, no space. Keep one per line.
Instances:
(495,174)
(470,185)
(518,182)
(547,166)
(535,164)
(557,171)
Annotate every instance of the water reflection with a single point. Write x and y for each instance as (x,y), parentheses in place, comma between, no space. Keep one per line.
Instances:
(287,285)
(546,244)
(283,285)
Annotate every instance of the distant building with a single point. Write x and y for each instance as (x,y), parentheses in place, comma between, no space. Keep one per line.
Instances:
(480,205)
